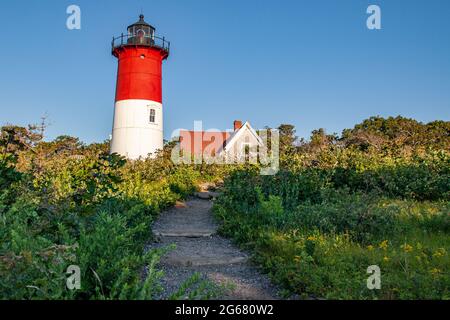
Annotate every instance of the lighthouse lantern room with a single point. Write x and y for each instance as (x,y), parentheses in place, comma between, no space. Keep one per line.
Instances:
(138,112)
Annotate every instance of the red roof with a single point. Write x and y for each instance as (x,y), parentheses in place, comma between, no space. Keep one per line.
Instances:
(203,142)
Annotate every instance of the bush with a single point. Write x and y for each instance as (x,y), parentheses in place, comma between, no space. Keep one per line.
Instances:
(316,230)
(357,215)
(92,210)
(425,180)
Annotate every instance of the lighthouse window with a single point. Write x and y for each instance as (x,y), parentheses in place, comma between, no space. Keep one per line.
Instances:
(152,116)
(141,33)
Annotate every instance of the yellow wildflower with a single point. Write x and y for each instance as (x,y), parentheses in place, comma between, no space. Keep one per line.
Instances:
(439,253)
(311,238)
(383,245)
(435,271)
(370,247)
(407,248)
(385,259)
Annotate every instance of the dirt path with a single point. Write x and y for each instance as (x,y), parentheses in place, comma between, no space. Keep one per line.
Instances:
(191,227)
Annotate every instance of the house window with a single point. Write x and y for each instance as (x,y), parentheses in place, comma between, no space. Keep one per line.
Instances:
(152,115)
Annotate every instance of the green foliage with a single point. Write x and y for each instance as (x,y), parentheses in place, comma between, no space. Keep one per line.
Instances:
(287,138)
(8,174)
(15,139)
(398,132)
(8,177)
(112,258)
(379,195)
(356,215)
(324,249)
(181,182)
(77,205)
(196,288)
(422,179)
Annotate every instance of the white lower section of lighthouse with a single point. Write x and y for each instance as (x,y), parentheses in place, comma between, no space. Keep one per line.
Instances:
(137,129)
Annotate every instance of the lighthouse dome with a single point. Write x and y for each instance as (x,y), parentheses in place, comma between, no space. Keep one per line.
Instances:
(141,22)
(141,32)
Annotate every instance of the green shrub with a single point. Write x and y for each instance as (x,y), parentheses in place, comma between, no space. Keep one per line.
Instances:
(92,210)
(358,215)
(316,238)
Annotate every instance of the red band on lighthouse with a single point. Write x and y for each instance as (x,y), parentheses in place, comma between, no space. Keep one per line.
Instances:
(139,74)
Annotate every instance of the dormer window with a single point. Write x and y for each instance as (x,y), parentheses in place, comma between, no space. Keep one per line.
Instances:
(152,116)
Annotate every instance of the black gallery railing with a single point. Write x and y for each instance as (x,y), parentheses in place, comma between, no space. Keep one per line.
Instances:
(140,40)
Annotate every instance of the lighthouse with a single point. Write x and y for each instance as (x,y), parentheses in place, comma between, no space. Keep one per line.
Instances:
(138,113)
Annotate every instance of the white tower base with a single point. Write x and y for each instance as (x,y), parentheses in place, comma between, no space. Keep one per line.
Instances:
(136,132)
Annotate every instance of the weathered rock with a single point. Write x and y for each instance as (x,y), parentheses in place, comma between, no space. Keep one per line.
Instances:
(207,195)
(195,233)
(202,252)
(214,194)
(207,186)
(180,204)
(204,195)
(192,220)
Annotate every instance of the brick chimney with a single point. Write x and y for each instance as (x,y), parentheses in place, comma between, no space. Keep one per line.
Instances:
(237,125)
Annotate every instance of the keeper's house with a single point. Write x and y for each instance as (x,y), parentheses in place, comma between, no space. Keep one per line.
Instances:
(240,143)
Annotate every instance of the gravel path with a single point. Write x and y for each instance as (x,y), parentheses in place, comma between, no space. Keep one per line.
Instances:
(191,227)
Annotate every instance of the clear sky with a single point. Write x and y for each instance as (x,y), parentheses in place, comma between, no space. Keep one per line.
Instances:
(309,63)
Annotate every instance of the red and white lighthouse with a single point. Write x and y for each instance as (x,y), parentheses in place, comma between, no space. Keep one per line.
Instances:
(138,112)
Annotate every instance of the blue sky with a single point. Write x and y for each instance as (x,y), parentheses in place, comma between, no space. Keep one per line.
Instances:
(309,63)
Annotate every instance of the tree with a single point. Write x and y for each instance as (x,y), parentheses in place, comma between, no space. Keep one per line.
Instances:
(287,138)
(320,140)
(14,139)
(66,144)
(397,133)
